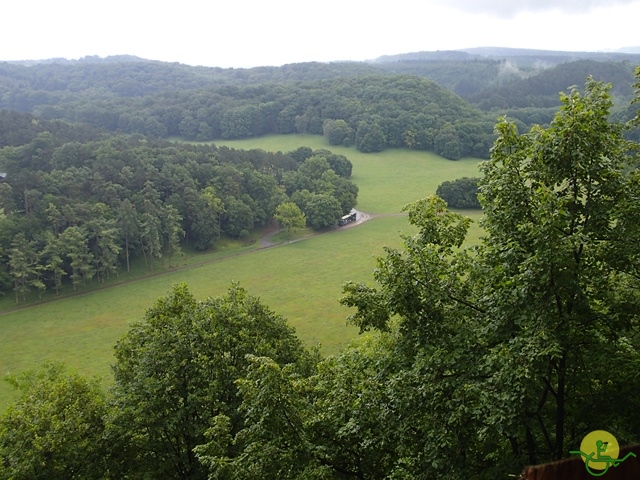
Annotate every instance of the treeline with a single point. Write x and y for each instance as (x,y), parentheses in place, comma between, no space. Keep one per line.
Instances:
(165,100)
(464,76)
(475,73)
(82,210)
(130,76)
(541,90)
(19,128)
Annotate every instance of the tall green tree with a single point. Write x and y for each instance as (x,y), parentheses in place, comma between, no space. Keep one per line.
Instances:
(53,256)
(55,217)
(460,193)
(322,211)
(129,224)
(76,248)
(206,220)
(346,193)
(172,231)
(564,249)
(239,217)
(337,422)
(447,143)
(24,266)
(176,372)
(6,198)
(370,137)
(150,241)
(104,239)
(290,216)
(337,132)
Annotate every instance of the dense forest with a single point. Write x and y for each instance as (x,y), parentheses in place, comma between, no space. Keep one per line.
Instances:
(480,360)
(79,204)
(379,110)
(88,166)
(446,103)
(523,85)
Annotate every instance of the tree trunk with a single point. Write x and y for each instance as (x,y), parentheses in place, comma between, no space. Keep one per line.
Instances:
(559,450)
(126,249)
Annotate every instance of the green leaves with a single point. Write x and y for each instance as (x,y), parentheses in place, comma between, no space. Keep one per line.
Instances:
(290,216)
(55,429)
(498,340)
(177,371)
(460,193)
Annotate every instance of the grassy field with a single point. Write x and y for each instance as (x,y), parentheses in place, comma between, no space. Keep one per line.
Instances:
(387,180)
(224,248)
(300,280)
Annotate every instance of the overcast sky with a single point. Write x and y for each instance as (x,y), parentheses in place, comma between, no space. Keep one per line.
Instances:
(247,33)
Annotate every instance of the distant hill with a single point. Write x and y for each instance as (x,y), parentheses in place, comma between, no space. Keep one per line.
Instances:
(87,59)
(542,88)
(496,77)
(129,76)
(373,105)
(562,56)
(521,57)
(368,107)
(534,99)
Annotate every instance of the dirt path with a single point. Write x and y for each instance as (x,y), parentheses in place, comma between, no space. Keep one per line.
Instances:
(361,217)
(265,240)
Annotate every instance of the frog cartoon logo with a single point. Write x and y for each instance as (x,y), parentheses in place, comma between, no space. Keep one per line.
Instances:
(599,451)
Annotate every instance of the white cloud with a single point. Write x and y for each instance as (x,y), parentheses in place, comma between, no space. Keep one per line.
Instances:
(510,8)
(255,32)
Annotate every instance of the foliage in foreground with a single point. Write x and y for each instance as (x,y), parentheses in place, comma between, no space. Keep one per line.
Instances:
(484,360)
(177,371)
(55,429)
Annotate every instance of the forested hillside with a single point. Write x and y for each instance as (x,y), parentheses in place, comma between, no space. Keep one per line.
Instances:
(80,205)
(472,70)
(389,103)
(523,84)
(195,103)
(133,76)
(534,100)
(116,195)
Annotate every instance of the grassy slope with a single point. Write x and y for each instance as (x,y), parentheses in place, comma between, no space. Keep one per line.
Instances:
(300,280)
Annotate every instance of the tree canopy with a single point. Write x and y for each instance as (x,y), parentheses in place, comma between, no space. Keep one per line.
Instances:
(346,102)
(487,358)
(176,372)
(78,209)
(55,430)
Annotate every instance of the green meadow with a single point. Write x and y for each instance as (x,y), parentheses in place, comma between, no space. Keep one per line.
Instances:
(299,279)
(387,180)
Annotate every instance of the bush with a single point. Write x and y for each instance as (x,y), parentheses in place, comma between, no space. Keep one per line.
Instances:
(460,193)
